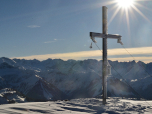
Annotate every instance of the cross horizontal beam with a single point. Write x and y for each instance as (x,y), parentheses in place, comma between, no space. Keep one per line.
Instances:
(101,35)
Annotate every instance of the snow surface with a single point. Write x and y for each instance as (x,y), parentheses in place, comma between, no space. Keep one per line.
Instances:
(81,106)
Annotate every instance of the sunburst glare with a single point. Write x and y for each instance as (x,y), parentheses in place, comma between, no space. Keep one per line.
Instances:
(127,7)
(125,3)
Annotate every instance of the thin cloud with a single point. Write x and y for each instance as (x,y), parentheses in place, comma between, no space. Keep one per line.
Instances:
(33,26)
(49,42)
(96,54)
(59,39)
(55,40)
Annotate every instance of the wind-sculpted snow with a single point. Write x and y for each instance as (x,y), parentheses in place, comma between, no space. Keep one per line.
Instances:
(57,79)
(80,106)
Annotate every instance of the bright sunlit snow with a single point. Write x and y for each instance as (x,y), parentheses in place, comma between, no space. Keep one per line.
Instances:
(81,106)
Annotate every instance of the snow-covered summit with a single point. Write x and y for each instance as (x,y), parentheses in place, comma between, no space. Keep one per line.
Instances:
(81,106)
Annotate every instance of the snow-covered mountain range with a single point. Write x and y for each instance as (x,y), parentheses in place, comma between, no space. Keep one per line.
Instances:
(57,79)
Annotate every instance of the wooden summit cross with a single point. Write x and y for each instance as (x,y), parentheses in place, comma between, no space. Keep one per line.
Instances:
(105,35)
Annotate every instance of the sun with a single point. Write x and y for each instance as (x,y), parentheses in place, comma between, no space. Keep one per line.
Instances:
(125,3)
(127,8)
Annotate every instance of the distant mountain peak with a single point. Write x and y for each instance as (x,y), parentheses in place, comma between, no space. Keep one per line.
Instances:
(5,65)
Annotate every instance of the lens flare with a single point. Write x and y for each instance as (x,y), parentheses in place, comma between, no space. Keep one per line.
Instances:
(125,3)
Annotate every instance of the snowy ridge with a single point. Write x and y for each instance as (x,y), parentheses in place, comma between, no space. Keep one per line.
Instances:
(9,95)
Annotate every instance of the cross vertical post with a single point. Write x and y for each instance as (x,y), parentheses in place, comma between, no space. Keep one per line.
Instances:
(105,65)
(104,57)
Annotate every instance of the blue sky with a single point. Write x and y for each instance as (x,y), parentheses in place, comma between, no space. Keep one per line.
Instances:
(60,28)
